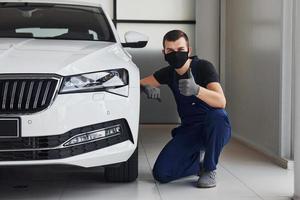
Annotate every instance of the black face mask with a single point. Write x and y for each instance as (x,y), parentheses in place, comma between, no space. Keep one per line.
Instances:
(177,59)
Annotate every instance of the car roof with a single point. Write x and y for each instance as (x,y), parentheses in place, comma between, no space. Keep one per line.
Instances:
(94,3)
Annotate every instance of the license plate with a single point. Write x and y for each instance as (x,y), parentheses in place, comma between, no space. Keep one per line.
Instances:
(9,127)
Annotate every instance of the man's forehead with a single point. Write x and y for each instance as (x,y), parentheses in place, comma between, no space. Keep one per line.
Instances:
(181,42)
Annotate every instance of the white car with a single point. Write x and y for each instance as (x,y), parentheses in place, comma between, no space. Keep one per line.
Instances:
(69,92)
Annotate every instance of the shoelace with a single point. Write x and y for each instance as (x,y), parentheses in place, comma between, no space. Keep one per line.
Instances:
(212,175)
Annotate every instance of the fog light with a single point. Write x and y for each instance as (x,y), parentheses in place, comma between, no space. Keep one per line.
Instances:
(94,135)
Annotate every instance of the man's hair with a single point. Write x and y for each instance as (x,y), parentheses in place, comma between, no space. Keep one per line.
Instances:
(175,35)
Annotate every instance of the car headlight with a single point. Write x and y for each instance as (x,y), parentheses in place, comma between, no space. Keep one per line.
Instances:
(109,81)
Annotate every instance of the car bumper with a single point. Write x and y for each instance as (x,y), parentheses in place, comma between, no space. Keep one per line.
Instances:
(44,133)
(110,155)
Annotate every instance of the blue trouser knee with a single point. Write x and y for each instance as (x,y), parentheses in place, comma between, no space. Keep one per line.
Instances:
(180,157)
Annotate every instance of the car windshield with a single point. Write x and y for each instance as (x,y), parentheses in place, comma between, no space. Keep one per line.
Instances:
(52,21)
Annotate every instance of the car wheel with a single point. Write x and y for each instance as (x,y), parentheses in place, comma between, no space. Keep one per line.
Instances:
(123,172)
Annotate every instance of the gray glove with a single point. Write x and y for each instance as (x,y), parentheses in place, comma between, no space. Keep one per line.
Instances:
(151,92)
(188,87)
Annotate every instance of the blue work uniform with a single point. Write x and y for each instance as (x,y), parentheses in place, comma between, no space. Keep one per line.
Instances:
(202,128)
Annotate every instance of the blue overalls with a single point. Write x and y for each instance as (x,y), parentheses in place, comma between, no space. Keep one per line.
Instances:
(202,128)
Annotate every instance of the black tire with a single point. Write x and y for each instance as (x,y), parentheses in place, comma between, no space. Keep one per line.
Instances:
(123,172)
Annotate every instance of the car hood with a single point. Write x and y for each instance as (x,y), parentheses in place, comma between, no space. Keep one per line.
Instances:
(63,57)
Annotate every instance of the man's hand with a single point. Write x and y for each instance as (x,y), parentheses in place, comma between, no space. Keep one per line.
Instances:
(188,87)
(151,92)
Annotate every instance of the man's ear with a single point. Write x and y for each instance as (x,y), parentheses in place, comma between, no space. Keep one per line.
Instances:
(190,51)
(163,51)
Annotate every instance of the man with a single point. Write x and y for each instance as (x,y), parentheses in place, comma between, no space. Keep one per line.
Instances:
(200,103)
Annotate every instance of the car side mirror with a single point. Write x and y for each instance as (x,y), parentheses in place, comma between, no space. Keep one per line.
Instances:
(135,40)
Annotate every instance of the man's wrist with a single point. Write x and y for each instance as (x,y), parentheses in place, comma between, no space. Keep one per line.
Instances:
(199,91)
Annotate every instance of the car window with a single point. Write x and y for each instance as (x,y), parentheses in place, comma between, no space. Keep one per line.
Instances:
(52,21)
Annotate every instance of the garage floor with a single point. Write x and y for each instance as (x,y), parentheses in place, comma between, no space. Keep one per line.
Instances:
(243,174)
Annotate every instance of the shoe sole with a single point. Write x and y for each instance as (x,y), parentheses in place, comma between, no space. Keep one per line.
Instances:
(206,186)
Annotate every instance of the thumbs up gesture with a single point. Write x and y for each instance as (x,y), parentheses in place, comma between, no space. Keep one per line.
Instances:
(188,87)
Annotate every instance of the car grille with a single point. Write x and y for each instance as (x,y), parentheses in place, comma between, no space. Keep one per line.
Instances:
(45,148)
(26,95)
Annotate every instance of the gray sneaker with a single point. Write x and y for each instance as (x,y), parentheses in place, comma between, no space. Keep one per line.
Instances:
(207,180)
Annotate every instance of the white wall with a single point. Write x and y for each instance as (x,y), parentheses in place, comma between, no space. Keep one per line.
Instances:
(249,53)
(296,104)
(156,9)
(207,30)
(253,66)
